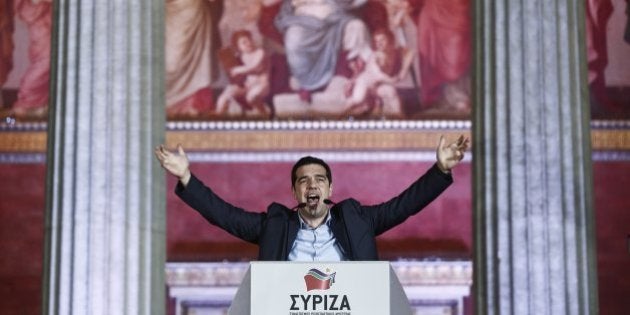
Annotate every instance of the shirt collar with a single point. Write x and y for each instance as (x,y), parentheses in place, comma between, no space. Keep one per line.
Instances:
(304,225)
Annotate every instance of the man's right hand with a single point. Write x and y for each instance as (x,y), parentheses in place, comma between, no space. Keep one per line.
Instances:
(175,163)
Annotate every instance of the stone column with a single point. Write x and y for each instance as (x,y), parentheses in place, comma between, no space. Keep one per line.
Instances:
(105,223)
(534,229)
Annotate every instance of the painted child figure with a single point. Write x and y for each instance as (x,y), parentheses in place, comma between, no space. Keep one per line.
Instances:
(249,79)
(372,87)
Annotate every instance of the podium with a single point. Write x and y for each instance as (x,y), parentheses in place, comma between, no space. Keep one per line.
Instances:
(326,288)
(433,287)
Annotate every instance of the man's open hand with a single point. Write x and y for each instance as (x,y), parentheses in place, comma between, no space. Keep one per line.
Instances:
(449,155)
(175,163)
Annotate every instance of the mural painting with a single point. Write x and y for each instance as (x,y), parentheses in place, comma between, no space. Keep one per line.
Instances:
(28,99)
(314,59)
(310,59)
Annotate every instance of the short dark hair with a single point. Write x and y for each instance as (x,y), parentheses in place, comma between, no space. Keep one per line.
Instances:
(306,161)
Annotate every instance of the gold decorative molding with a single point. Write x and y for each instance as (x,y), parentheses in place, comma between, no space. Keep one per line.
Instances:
(615,140)
(295,140)
(268,140)
(23,141)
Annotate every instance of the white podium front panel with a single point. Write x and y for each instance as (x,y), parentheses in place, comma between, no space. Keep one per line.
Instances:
(335,288)
(209,288)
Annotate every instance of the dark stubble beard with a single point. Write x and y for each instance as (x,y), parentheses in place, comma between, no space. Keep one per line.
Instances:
(313,213)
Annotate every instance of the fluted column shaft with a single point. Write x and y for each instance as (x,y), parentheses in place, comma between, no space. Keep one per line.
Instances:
(532,171)
(105,224)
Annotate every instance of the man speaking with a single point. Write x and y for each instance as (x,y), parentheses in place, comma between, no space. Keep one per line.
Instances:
(317,229)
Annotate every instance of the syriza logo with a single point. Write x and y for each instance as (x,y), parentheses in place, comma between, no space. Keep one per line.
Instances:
(317,280)
(319,303)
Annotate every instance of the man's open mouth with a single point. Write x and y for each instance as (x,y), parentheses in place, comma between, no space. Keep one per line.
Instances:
(312,199)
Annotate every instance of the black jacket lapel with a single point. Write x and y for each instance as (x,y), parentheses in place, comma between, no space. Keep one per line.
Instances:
(293,224)
(338,227)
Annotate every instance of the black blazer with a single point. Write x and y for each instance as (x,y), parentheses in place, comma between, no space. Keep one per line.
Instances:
(355,226)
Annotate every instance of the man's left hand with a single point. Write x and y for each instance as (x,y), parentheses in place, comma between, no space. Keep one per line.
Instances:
(449,155)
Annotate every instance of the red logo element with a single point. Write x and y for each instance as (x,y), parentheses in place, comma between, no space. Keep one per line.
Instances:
(317,280)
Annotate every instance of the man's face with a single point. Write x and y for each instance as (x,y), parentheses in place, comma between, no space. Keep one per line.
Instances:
(312,187)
